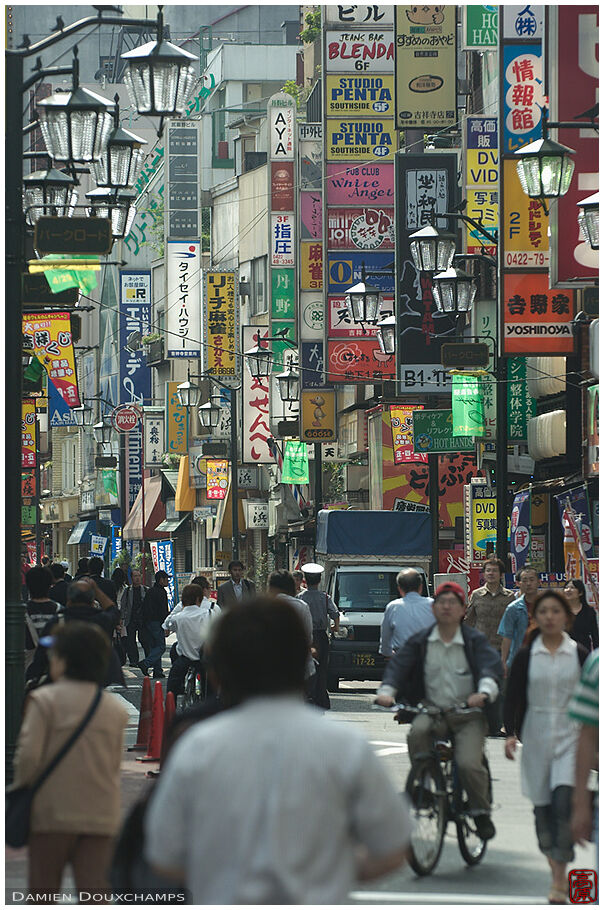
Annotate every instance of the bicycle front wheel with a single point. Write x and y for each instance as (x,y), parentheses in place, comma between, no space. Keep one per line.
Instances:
(427,794)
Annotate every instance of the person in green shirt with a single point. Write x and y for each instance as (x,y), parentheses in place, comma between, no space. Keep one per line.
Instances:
(584,708)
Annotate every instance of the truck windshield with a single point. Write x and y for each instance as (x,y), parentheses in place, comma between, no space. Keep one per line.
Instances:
(360,591)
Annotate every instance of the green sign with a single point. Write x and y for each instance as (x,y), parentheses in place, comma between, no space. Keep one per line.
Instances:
(468,406)
(480,27)
(282,294)
(295,462)
(280,349)
(521,405)
(433,432)
(28,515)
(60,279)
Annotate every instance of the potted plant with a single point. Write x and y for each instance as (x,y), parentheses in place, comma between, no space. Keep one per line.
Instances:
(154,348)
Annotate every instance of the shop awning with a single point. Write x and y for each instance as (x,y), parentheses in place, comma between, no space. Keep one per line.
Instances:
(155,512)
(223,524)
(171,478)
(82,532)
(185,493)
(171,525)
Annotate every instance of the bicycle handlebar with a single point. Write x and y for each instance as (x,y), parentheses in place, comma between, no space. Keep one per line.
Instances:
(431,710)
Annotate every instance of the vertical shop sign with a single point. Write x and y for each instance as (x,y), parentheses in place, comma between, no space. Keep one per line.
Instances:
(183,280)
(177,423)
(282,122)
(521,405)
(162,554)
(524,225)
(135,316)
(221,325)
(401,421)
(52,344)
(28,433)
(217,478)
(520,530)
(425,66)
(523,99)
(593,430)
(482,182)
(154,430)
(255,408)
(182,198)
(483,521)
(283,294)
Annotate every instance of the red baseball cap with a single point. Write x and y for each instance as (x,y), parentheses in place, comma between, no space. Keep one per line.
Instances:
(451,587)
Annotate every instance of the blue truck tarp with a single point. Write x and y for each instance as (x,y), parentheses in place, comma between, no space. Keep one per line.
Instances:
(373,533)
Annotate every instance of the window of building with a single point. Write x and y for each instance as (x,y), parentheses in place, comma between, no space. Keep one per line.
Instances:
(259,296)
(69,452)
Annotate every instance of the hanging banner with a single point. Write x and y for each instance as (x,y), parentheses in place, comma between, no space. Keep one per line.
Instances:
(401,421)
(593,431)
(52,344)
(537,319)
(467,406)
(433,433)
(59,412)
(295,462)
(357,140)
(162,554)
(521,405)
(217,478)
(480,27)
(360,229)
(318,409)
(183,297)
(360,94)
(135,316)
(365,184)
(483,522)
(282,123)
(578,501)
(524,225)
(28,433)
(255,406)
(177,423)
(221,325)
(361,51)
(154,434)
(425,66)
(523,98)
(520,530)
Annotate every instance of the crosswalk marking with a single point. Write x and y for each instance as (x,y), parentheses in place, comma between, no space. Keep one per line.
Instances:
(436,897)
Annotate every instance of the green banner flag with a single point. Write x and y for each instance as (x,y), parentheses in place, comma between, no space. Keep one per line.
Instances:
(110,480)
(61,279)
(34,370)
(468,406)
(295,462)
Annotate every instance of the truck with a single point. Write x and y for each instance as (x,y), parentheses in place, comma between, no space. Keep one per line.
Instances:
(363,552)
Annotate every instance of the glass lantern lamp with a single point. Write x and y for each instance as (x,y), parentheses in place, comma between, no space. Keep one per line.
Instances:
(188,394)
(289,385)
(453,291)
(48,192)
(589,220)
(82,416)
(115,204)
(259,362)
(386,334)
(120,163)
(363,303)
(545,169)
(209,415)
(432,251)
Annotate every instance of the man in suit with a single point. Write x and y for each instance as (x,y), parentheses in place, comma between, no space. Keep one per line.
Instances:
(236,588)
(131,608)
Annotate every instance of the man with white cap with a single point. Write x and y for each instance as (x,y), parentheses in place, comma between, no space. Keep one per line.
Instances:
(322,609)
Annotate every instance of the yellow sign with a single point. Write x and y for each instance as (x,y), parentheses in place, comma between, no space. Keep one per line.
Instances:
(217,476)
(483,206)
(28,433)
(425,66)
(177,422)
(524,225)
(349,139)
(220,324)
(362,93)
(318,415)
(483,514)
(311,266)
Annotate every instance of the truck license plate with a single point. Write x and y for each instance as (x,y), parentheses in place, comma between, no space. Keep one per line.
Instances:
(363,660)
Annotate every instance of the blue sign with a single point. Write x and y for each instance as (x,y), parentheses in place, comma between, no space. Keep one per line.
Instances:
(59,412)
(481,133)
(522,95)
(346,269)
(579,502)
(162,553)
(520,529)
(116,542)
(135,375)
(312,364)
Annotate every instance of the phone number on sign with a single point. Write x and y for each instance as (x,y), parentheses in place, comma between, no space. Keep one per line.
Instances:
(528,259)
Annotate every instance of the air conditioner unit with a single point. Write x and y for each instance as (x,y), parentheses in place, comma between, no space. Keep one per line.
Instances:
(223,151)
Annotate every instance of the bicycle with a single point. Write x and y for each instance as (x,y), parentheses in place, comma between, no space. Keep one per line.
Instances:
(195,684)
(437,797)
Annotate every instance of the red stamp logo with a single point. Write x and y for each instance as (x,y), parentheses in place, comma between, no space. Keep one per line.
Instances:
(583,886)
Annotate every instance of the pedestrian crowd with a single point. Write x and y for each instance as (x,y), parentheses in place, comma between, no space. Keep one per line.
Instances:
(302,807)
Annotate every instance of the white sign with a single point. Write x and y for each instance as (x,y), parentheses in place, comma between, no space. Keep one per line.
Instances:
(247,477)
(256,515)
(255,408)
(312,316)
(282,240)
(523,21)
(87,500)
(200,513)
(154,438)
(359,52)
(183,282)
(97,545)
(367,14)
(282,108)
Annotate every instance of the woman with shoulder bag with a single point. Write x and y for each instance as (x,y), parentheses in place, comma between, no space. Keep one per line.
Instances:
(541,682)
(75,812)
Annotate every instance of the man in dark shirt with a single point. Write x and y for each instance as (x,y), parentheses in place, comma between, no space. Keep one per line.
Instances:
(95,570)
(58,591)
(131,608)
(155,610)
(40,608)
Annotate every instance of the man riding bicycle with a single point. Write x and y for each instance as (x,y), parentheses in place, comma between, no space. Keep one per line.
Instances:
(446,665)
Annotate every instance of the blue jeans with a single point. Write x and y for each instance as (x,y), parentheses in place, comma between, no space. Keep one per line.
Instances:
(156,641)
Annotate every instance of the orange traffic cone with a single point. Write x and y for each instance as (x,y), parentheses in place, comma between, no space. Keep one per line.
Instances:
(144,720)
(157,726)
(169,712)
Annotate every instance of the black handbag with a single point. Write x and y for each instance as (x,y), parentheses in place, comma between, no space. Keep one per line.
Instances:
(19,801)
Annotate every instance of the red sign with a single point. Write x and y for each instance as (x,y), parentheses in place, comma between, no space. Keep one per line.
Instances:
(282,186)
(28,484)
(126,418)
(537,319)
(360,229)
(575,71)
(358,360)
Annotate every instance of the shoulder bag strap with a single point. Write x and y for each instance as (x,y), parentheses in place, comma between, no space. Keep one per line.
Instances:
(70,742)
(32,629)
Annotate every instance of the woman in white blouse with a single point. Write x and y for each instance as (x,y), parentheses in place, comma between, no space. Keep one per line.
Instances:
(541,682)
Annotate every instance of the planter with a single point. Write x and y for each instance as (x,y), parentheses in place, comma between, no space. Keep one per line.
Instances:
(154,352)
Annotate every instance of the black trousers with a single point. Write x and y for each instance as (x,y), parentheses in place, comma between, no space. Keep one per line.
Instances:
(320,641)
(131,647)
(178,671)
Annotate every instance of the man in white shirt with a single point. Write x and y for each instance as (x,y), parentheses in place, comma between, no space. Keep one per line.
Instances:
(191,627)
(268,802)
(408,614)
(449,665)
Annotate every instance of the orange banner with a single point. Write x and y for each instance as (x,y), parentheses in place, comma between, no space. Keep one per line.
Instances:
(50,334)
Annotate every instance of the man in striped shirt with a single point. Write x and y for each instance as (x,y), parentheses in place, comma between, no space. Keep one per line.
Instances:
(584,708)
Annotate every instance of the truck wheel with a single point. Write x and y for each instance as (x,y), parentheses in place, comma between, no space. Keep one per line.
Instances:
(333,683)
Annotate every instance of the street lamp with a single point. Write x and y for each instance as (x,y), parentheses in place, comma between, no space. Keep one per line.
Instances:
(159,76)
(453,291)
(259,361)
(48,192)
(188,394)
(589,220)
(545,169)
(83,416)
(289,384)
(386,334)
(116,204)
(103,432)
(209,415)
(363,303)
(121,160)
(75,125)
(432,250)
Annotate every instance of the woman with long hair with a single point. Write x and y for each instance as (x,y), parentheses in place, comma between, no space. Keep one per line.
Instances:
(541,682)
(585,625)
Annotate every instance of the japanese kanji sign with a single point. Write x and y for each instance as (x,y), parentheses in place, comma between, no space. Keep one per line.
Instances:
(311,266)
(358,360)
(256,515)
(283,294)
(523,21)
(433,432)
(255,407)
(182,171)
(521,405)
(217,478)
(318,407)
(467,406)
(482,182)
(183,311)
(401,421)
(426,66)
(524,225)
(295,462)
(340,324)
(522,95)
(483,521)
(362,51)
(28,433)
(537,319)
(50,334)
(360,94)
(177,422)
(310,153)
(221,325)
(73,235)
(282,123)
(360,229)
(153,424)
(282,240)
